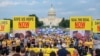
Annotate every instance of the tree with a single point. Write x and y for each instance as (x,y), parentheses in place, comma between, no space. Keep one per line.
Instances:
(37,22)
(61,24)
(67,22)
(64,23)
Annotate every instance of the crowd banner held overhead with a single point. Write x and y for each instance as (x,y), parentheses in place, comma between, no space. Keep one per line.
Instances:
(80,22)
(24,23)
(96,26)
(5,26)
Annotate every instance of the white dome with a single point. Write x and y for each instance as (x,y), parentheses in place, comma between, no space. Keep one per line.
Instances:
(51,11)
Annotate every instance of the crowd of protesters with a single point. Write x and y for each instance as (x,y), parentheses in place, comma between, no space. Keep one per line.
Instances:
(20,42)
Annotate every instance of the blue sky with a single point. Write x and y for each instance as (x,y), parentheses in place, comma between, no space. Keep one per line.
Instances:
(64,8)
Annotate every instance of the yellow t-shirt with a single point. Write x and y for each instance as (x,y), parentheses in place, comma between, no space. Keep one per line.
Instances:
(80,43)
(68,42)
(46,54)
(4,43)
(9,42)
(43,50)
(48,50)
(36,50)
(71,50)
(55,50)
(86,43)
(91,44)
(17,42)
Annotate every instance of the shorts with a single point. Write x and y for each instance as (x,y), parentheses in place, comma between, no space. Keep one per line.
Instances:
(5,50)
(13,48)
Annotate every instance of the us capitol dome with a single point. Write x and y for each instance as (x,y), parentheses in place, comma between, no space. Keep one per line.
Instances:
(51,19)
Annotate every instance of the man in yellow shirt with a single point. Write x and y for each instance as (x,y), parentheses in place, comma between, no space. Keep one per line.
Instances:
(68,41)
(91,46)
(40,44)
(4,43)
(80,43)
(17,41)
(4,47)
(9,42)
(47,52)
(13,45)
(86,43)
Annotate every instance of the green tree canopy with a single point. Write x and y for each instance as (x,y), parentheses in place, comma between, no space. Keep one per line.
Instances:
(37,22)
(64,23)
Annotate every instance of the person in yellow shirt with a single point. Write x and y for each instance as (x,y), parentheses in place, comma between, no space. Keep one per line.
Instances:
(40,53)
(72,39)
(80,43)
(75,53)
(52,43)
(13,45)
(17,41)
(91,43)
(4,47)
(9,42)
(71,44)
(91,46)
(47,42)
(40,44)
(48,50)
(68,41)
(86,43)
(4,43)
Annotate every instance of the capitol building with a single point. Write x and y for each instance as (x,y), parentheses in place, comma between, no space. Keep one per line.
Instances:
(51,19)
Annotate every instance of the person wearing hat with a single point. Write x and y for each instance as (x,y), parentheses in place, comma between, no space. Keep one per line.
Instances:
(63,51)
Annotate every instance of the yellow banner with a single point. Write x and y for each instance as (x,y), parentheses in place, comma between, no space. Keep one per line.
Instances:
(23,23)
(80,22)
(5,26)
(96,26)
